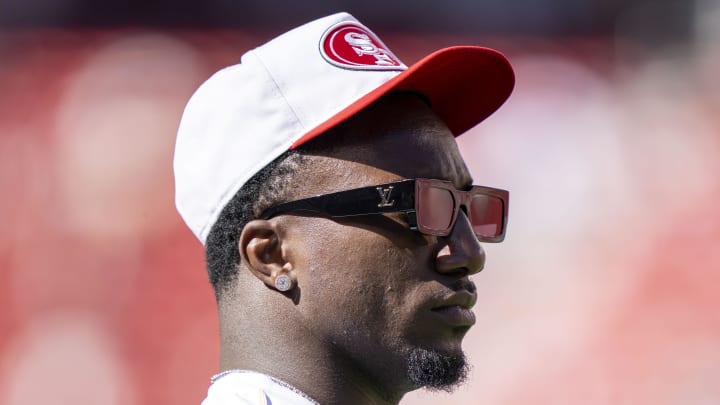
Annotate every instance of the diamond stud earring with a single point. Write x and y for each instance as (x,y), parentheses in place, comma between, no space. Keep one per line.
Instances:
(283,283)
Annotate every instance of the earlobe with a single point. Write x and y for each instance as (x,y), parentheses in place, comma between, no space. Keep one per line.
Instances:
(260,248)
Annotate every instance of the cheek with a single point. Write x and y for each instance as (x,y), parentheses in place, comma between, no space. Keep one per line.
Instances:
(354,281)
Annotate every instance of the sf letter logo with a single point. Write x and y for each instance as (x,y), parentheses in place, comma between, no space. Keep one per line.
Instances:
(350,45)
(363,45)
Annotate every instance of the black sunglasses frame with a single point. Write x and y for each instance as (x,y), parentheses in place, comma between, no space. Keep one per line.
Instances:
(397,196)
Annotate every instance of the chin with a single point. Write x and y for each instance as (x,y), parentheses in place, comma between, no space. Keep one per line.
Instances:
(448,343)
(436,369)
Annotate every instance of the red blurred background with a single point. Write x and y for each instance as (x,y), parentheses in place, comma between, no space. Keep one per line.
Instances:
(604,292)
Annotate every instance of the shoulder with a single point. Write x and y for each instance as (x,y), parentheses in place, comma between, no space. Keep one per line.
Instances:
(235,391)
(241,387)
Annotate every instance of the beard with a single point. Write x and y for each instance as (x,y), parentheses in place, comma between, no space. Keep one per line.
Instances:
(436,370)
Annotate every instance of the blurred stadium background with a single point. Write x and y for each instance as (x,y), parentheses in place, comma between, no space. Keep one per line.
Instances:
(606,290)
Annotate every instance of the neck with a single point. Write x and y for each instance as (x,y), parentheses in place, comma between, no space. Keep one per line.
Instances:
(291,354)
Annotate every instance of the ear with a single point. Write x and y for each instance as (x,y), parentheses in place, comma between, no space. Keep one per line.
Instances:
(260,248)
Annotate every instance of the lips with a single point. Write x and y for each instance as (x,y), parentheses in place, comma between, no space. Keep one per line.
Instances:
(456,315)
(455,310)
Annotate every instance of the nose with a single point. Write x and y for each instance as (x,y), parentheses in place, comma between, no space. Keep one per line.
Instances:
(463,255)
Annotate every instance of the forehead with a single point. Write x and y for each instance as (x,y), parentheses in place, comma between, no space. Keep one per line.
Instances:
(397,137)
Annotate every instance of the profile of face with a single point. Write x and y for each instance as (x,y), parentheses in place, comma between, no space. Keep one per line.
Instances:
(392,303)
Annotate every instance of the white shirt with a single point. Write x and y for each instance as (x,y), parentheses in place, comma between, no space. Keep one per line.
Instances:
(244,387)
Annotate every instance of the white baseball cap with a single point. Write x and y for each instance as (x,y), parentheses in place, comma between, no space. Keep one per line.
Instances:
(299,85)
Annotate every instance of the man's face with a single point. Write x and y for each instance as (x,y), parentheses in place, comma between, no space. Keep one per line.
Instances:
(384,297)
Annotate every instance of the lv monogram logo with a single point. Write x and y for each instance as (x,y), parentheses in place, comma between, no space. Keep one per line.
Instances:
(385,197)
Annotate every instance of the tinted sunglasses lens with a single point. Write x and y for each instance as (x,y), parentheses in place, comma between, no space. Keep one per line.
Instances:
(486,215)
(436,208)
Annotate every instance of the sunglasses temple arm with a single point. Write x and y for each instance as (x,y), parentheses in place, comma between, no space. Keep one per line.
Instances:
(362,201)
(301,206)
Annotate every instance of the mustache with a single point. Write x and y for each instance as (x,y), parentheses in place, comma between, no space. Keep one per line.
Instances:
(463,284)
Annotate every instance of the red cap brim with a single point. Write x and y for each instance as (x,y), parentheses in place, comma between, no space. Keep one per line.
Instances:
(465,84)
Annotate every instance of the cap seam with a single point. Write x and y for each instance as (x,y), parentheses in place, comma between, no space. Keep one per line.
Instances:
(279,90)
(236,185)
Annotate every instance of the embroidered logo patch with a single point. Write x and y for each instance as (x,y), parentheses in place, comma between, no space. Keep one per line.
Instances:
(350,45)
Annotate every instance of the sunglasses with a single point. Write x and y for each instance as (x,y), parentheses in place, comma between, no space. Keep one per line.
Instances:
(432,206)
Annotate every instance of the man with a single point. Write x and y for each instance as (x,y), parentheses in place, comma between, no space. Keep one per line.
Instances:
(339,219)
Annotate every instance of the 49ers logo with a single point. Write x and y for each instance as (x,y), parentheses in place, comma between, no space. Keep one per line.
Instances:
(350,45)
